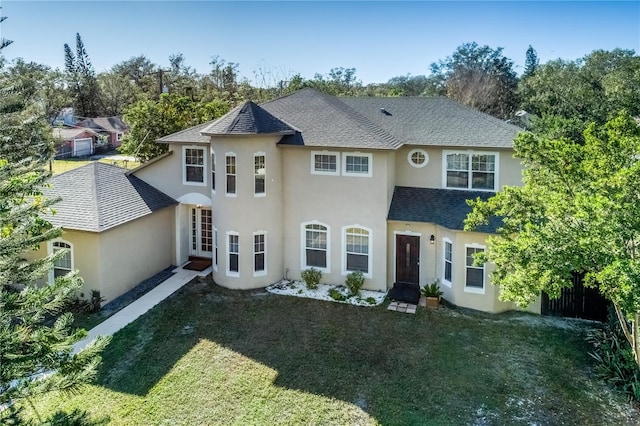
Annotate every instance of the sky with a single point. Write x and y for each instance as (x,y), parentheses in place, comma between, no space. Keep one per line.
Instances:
(272,41)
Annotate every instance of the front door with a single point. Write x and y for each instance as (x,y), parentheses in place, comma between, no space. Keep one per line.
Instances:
(201,234)
(408,259)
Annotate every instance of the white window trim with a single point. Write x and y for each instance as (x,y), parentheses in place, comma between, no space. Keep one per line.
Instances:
(229,272)
(119,136)
(263,272)
(446,282)
(423,152)
(204,166)
(213,172)
(369,156)
(321,172)
(344,250)
(226,191)
(50,252)
(475,290)
(303,247)
(470,153)
(261,194)
(214,255)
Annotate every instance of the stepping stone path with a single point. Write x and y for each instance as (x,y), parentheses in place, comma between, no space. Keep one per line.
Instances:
(402,307)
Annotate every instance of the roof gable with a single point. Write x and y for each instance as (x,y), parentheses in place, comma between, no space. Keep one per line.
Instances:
(99,196)
(109,124)
(247,119)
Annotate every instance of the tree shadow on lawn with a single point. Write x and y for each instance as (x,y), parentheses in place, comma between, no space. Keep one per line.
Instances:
(443,366)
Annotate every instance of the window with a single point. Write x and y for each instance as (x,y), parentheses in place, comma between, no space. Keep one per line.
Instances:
(63,265)
(356,164)
(194,165)
(325,163)
(418,158)
(259,252)
(473,170)
(475,274)
(448,261)
(356,250)
(215,248)
(234,254)
(259,173)
(118,137)
(316,246)
(213,171)
(231,173)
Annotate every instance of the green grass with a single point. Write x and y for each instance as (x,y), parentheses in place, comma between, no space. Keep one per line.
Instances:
(208,355)
(60,166)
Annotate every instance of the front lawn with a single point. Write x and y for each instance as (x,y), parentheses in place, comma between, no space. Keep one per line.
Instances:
(61,166)
(208,355)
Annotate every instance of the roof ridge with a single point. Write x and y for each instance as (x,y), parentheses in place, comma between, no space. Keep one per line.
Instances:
(485,116)
(93,193)
(179,132)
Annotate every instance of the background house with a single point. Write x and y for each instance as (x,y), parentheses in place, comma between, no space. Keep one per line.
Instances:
(74,141)
(112,128)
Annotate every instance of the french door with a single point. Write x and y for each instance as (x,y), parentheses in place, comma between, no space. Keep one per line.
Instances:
(201,243)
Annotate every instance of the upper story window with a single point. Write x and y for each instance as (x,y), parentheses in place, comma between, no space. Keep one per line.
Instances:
(193,172)
(315,246)
(64,264)
(474,280)
(418,158)
(471,170)
(356,164)
(259,173)
(356,250)
(231,173)
(213,171)
(325,163)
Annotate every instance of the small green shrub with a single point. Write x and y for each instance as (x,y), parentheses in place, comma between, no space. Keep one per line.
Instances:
(431,289)
(336,294)
(614,356)
(311,278)
(370,300)
(354,282)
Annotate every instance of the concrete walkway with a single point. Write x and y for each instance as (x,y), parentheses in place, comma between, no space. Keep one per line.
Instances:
(131,312)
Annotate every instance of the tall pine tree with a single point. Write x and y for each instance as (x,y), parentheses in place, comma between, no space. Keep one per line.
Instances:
(82,80)
(36,334)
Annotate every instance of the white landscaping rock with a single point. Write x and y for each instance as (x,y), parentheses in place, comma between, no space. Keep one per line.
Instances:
(299,289)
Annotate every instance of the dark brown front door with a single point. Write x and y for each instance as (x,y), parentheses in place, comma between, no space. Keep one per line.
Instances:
(408,259)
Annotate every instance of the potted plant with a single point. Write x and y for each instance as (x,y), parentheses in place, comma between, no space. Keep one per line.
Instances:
(432,293)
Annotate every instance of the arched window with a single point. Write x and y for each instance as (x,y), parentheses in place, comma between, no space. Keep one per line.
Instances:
(64,264)
(357,244)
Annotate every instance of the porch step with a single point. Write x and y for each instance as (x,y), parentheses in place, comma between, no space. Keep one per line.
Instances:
(405,292)
(197,263)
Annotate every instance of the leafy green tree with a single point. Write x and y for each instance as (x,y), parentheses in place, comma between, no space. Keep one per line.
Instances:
(117,92)
(591,89)
(409,85)
(531,62)
(36,334)
(578,210)
(150,120)
(480,77)
(82,80)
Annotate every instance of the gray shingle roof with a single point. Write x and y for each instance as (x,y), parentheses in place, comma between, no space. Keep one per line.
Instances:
(66,133)
(245,119)
(445,207)
(326,121)
(99,196)
(435,121)
(190,135)
(110,124)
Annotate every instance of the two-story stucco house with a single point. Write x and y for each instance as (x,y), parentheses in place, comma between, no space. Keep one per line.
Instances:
(377,185)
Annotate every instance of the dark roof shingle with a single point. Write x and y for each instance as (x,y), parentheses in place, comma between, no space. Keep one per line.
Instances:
(435,121)
(99,196)
(444,207)
(190,135)
(247,118)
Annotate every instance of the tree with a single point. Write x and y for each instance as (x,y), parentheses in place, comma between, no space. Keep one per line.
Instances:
(531,62)
(36,334)
(82,80)
(480,77)
(149,120)
(578,210)
(593,88)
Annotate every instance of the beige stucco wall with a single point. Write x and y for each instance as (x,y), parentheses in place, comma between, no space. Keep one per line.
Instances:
(246,213)
(167,173)
(432,265)
(137,250)
(431,175)
(336,201)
